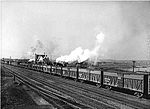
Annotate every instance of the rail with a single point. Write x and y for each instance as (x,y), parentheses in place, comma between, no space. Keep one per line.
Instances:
(37,86)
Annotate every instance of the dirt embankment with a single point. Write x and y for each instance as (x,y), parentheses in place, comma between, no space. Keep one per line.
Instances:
(13,96)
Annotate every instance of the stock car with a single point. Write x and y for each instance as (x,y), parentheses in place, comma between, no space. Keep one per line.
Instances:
(132,83)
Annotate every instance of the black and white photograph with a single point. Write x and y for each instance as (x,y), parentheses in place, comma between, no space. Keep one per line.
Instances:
(75,54)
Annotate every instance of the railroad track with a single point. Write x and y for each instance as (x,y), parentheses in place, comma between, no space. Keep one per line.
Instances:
(78,97)
(64,101)
(96,98)
(106,96)
(74,90)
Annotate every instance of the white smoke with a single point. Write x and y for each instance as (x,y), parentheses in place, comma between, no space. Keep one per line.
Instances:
(80,54)
(38,47)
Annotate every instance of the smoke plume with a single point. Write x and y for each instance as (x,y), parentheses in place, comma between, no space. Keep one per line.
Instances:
(37,48)
(81,55)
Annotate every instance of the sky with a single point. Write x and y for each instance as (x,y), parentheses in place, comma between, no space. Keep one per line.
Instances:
(57,28)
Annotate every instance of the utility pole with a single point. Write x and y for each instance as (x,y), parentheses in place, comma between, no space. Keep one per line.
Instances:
(10,60)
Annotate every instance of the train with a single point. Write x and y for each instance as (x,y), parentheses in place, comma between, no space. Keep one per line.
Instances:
(137,84)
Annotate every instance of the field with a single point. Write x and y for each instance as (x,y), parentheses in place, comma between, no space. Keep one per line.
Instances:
(140,65)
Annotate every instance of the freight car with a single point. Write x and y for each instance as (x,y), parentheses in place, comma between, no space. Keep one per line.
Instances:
(132,83)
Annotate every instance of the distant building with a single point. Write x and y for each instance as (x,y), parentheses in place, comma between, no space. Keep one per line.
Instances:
(41,59)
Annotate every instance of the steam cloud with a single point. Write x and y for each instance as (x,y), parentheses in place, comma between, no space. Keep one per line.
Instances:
(38,47)
(80,54)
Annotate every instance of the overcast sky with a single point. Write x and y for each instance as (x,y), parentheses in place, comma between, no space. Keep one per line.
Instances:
(63,26)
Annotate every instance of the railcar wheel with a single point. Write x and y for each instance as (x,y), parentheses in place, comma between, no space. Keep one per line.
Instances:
(98,85)
(82,81)
(138,94)
(76,80)
(108,87)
